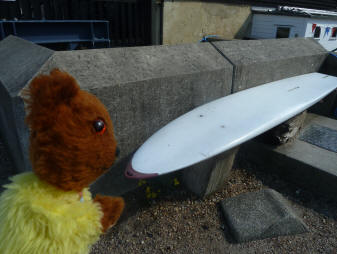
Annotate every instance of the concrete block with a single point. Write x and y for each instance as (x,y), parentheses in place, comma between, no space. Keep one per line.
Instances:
(261,61)
(20,60)
(329,65)
(209,176)
(144,88)
(328,106)
(285,132)
(260,215)
(306,164)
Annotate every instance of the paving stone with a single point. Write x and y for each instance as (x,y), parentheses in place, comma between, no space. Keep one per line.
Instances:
(321,136)
(260,215)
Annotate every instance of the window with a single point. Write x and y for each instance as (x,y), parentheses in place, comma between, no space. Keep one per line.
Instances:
(334,33)
(282,32)
(317,33)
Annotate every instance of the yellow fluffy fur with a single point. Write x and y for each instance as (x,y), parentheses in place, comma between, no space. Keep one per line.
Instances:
(36,217)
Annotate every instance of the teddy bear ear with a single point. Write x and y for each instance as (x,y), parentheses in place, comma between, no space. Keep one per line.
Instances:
(45,92)
(48,90)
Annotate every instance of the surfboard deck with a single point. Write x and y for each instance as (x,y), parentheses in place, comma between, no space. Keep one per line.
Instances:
(225,123)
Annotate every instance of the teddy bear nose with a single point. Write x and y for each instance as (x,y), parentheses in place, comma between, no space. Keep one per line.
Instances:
(117,151)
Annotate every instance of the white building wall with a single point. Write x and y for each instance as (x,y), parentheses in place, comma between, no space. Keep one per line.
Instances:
(325,40)
(265,27)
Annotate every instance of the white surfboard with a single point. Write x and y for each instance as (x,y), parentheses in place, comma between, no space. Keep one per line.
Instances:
(225,123)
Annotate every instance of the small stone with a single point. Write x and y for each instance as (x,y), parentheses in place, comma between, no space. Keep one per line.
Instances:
(205,227)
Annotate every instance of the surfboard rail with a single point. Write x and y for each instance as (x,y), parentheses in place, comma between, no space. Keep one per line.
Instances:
(222,124)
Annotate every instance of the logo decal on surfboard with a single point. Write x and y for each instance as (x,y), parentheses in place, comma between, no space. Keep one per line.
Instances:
(292,89)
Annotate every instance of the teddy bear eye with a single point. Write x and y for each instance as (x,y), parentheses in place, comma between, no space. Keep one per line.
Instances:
(99,126)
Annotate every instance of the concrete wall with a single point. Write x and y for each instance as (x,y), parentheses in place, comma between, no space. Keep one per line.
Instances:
(328,106)
(260,61)
(189,21)
(19,61)
(144,88)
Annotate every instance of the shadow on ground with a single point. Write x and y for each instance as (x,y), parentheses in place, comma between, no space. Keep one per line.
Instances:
(310,198)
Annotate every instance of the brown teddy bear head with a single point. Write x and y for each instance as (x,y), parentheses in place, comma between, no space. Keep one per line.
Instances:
(72,141)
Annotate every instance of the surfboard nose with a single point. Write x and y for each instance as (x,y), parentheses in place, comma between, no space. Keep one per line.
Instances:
(131,173)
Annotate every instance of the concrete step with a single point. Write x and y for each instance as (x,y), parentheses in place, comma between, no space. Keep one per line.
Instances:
(310,160)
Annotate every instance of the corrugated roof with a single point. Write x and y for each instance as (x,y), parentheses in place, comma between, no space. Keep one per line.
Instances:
(312,4)
(295,11)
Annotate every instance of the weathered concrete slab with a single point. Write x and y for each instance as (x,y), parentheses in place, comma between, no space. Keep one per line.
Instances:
(209,176)
(144,88)
(328,106)
(285,132)
(260,61)
(308,165)
(260,215)
(20,60)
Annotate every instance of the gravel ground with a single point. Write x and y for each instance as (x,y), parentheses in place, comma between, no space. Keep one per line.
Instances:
(176,221)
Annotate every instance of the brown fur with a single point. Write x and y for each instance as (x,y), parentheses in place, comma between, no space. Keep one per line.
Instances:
(65,149)
(112,207)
